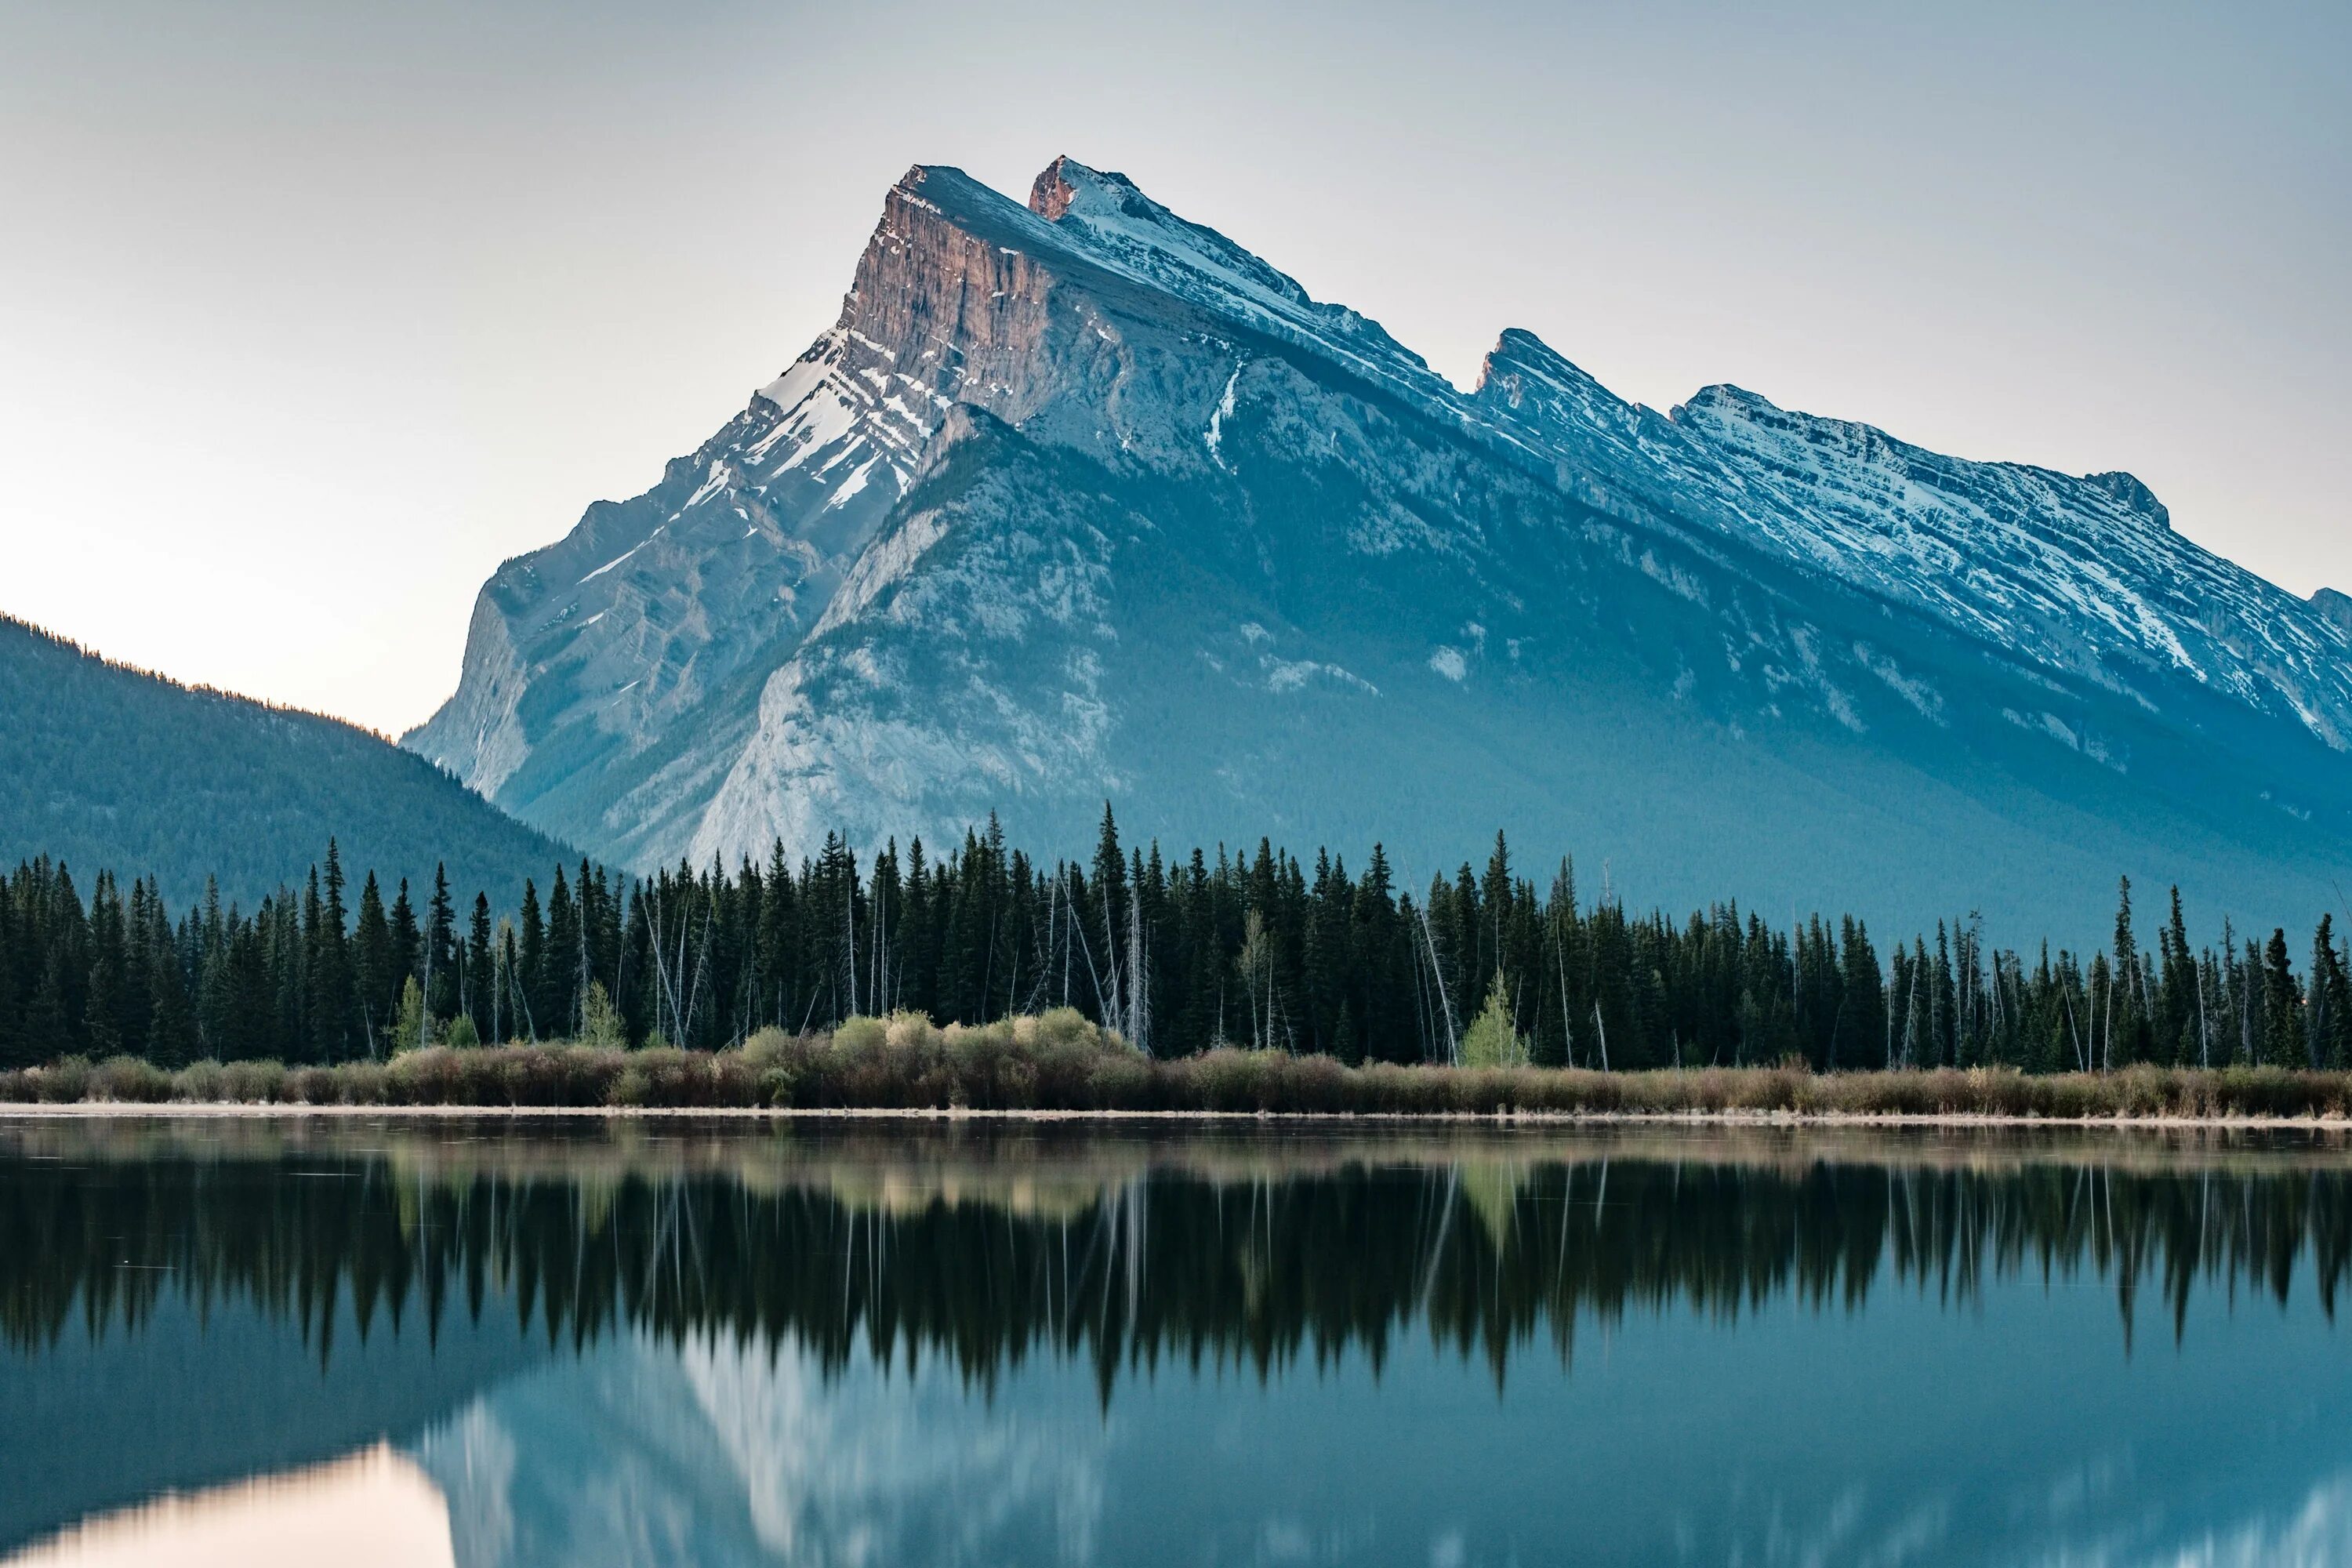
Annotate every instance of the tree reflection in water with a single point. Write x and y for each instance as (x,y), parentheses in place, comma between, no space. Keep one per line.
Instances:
(988,1244)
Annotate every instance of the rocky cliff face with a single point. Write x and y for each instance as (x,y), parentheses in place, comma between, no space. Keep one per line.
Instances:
(2334,607)
(1083,500)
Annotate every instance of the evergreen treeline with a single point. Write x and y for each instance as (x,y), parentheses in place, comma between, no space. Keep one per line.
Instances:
(1257,950)
(102,764)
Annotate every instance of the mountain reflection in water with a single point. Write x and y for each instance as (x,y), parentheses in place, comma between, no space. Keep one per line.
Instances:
(678,1341)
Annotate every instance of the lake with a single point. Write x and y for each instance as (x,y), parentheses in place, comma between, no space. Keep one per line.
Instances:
(264,1339)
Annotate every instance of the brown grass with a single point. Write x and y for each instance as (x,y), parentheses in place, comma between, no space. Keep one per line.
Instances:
(1060,1062)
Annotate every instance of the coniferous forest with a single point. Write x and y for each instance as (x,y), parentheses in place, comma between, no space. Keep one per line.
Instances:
(1262,949)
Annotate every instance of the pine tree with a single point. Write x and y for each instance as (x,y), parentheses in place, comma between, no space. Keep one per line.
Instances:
(170,1016)
(328,962)
(2329,1027)
(375,974)
(105,992)
(2174,1036)
(2283,1044)
(2128,1025)
(408,941)
(481,972)
(1485,949)
(15,944)
(916,936)
(1104,917)
(556,1004)
(531,957)
(440,977)
(1862,1013)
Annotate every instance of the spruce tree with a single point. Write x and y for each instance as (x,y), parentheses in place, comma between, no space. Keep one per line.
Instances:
(556,1002)
(915,935)
(2283,1044)
(2174,1032)
(374,974)
(16,946)
(328,962)
(1485,954)
(531,958)
(440,953)
(1861,1016)
(481,970)
(407,940)
(170,1016)
(139,955)
(106,991)
(1103,917)
(2329,1028)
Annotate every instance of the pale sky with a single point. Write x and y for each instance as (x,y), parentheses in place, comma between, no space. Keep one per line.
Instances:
(312,313)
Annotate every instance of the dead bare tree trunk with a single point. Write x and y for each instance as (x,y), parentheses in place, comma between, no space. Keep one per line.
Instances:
(1444,1001)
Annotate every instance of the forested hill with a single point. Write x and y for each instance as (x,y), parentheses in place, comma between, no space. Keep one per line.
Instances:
(101,765)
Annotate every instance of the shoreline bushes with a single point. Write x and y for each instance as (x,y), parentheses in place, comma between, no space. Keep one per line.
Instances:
(1060,1061)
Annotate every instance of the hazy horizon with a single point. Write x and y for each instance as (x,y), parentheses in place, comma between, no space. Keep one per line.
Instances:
(309,319)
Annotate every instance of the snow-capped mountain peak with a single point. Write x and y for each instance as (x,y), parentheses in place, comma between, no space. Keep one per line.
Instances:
(1117,224)
(1080,499)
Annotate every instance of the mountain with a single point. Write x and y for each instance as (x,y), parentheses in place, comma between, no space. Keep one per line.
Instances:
(108,768)
(1081,500)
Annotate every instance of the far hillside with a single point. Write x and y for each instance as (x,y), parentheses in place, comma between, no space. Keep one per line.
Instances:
(111,767)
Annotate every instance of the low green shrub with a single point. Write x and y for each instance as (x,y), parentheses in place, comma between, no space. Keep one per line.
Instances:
(253,1083)
(63,1081)
(202,1083)
(128,1080)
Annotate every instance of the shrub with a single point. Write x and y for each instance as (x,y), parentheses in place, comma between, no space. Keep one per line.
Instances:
(65,1081)
(1059,1061)
(429,1076)
(361,1083)
(130,1079)
(201,1082)
(252,1082)
(308,1086)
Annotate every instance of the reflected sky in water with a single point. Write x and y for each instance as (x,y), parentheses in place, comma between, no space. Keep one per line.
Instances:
(910,1343)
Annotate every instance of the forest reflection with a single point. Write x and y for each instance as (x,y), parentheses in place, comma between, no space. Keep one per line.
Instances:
(1129,1249)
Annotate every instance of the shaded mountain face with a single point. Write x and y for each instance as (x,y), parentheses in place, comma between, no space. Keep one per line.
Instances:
(109,768)
(1078,501)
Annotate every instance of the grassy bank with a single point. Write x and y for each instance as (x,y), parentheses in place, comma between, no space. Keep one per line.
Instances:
(1061,1062)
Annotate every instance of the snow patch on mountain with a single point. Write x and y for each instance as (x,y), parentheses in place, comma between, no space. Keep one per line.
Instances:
(1215,434)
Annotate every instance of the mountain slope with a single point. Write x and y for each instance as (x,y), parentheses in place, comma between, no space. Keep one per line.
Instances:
(111,768)
(1080,500)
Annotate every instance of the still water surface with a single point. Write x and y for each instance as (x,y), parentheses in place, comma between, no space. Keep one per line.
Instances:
(260,1340)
